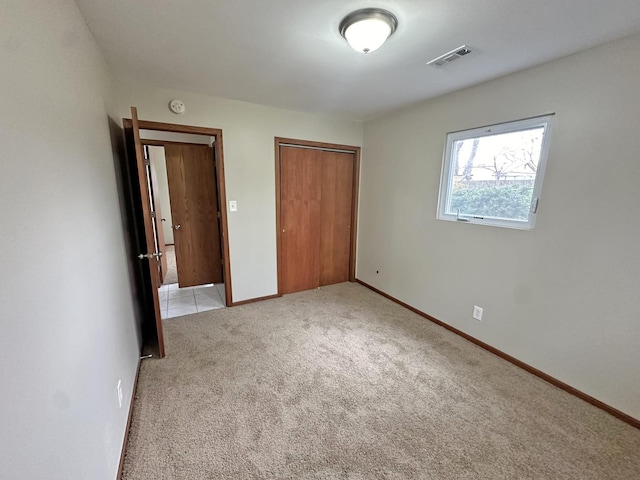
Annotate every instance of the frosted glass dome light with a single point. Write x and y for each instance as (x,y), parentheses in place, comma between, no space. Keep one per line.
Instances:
(367,29)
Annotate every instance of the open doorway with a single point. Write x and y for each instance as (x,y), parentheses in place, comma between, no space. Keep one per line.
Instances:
(186,211)
(146,231)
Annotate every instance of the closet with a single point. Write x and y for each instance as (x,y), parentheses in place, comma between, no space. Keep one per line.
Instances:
(316,211)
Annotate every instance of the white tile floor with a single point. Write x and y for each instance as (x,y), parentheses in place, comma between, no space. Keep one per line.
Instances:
(175,301)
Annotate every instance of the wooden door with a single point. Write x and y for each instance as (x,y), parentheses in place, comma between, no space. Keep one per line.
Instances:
(300,194)
(335,216)
(157,221)
(151,256)
(194,212)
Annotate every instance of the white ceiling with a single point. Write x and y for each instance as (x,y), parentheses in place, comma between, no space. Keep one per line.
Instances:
(289,53)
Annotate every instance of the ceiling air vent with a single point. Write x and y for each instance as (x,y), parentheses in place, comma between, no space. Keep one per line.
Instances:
(449,56)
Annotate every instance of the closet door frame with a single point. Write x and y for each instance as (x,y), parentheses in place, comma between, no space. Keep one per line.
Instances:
(279,141)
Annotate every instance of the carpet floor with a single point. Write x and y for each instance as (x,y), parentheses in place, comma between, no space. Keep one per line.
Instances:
(172,268)
(341,383)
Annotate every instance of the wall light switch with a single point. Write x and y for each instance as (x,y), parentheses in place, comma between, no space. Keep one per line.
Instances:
(477,312)
(233,206)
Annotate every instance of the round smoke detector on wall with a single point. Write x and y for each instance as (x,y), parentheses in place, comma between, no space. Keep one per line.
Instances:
(177,106)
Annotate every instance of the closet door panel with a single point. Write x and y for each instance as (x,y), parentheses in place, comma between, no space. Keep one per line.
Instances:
(300,187)
(335,216)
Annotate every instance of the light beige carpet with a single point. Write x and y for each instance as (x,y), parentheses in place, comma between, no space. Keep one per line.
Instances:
(341,383)
(172,268)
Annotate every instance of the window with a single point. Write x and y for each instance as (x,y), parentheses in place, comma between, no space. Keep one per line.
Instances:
(493,175)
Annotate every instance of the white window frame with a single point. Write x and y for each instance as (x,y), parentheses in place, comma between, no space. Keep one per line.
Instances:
(446,178)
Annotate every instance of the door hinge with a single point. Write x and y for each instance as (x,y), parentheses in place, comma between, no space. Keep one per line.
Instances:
(147,162)
(219,215)
(153,214)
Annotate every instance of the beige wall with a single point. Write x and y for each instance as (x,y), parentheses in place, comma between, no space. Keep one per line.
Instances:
(159,164)
(565,297)
(175,137)
(248,132)
(67,328)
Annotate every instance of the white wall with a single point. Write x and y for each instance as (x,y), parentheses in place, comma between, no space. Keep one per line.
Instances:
(248,132)
(563,298)
(161,189)
(67,328)
(175,137)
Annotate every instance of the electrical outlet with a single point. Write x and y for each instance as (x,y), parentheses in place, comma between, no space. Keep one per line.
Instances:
(477,312)
(119,392)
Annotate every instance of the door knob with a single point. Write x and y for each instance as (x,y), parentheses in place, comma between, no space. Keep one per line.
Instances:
(155,255)
(176,227)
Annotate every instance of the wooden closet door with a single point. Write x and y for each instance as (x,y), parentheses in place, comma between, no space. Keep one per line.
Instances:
(300,193)
(335,216)
(194,207)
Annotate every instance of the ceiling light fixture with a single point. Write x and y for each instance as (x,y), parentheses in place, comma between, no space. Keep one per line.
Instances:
(367,29)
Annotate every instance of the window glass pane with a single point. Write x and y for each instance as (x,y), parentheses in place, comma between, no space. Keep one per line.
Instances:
(494,175)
